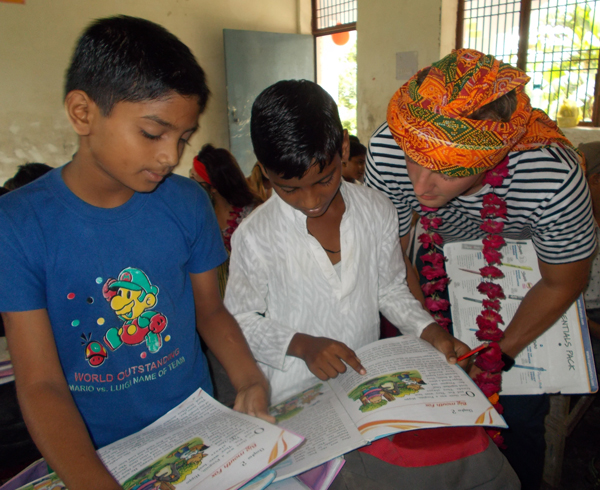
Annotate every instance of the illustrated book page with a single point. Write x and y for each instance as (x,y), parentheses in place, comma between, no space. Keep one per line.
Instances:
(317,414)
(409,385)
(198,444)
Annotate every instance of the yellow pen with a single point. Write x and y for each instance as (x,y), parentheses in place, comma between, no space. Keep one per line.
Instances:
(524,267)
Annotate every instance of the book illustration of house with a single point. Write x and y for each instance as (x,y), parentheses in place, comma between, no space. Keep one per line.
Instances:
(378,392)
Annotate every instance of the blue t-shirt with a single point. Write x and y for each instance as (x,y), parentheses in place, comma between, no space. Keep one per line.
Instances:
(116,285)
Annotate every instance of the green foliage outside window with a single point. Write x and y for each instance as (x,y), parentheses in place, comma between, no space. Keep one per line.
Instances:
(347,91)
(562,58)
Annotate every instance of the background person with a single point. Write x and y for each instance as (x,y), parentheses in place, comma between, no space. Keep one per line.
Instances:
(259,184)
(353,170)
(26,173)
(220,175)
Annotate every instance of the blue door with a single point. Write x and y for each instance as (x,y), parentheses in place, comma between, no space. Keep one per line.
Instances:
(253,61)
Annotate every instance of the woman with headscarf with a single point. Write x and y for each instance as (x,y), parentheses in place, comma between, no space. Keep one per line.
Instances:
(219,174)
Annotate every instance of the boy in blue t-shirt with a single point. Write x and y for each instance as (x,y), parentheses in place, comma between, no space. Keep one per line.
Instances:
(109,262)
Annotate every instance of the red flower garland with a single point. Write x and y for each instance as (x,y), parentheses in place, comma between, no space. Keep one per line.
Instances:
(436,272)
(489,360)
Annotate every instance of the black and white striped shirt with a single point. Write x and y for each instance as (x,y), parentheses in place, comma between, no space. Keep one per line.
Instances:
(546,193)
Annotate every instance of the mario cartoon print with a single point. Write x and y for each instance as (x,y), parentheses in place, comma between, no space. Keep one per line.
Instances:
(95,353)
(131,296)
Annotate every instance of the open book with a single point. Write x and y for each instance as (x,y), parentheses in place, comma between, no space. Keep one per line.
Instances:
(202,444)
(560,360)
(409,385)
(198,444)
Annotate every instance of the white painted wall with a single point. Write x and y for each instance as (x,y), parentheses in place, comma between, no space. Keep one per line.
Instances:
(387,27)
(36,41)
(448,27)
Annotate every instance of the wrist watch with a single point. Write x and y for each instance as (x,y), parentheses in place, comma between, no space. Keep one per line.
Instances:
(508,361)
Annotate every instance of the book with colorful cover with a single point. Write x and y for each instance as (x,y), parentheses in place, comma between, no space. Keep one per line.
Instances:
(561,360)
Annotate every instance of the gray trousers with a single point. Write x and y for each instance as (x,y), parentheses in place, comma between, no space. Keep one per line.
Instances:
(487,470)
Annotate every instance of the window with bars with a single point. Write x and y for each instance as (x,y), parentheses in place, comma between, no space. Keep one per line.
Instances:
(331,16)
(334,27)
(557,42)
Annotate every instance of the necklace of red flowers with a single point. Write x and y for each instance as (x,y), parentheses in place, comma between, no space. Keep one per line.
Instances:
(493,213)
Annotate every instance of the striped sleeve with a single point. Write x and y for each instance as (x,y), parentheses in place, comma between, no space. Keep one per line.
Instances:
(386,172)
(546,194)
(564,223)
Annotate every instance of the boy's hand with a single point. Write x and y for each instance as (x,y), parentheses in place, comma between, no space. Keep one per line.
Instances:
(324,357)
(447,344)
(224,338)
(253,399)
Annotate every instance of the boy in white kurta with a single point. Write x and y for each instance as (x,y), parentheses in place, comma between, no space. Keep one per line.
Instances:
(279,270)
(312,268)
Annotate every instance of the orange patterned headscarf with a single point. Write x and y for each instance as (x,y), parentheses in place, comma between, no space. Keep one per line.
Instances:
(430,122)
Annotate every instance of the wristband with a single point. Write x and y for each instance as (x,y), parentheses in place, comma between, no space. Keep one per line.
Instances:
(508,361)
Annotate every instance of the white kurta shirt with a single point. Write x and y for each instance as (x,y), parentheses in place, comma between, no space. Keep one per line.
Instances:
(281,282)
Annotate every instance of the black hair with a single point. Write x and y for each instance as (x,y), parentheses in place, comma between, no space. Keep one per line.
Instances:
(500,109)
(226,176)
(295,124)
(27,173)
(356,147)
(9,184)
(129,59)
